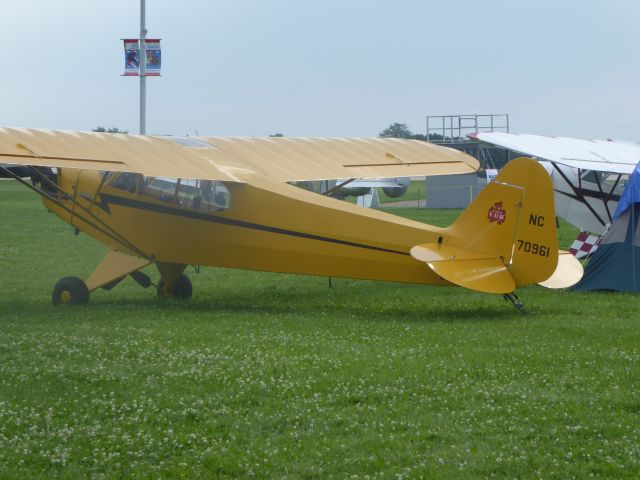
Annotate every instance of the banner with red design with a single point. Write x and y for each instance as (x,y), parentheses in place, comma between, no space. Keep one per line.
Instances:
(132,57)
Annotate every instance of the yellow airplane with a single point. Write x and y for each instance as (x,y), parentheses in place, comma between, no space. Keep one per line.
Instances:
(230,202)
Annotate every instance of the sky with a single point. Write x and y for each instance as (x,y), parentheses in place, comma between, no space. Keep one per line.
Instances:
(333,68)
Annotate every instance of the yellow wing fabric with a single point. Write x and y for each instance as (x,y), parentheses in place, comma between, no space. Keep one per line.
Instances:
(297,159)
(152,156)
(231,159)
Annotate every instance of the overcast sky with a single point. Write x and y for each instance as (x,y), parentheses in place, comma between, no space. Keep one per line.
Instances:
(325,68)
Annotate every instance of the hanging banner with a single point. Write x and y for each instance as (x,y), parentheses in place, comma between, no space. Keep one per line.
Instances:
(153,57)
(132,57)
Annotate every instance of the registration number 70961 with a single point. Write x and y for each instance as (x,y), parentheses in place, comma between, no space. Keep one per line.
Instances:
(533,248)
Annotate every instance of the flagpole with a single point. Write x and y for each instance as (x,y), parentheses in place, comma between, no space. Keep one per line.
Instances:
(143,71)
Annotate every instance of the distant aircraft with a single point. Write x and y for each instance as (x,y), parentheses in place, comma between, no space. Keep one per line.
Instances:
(227,202)
(588,175)
(363,190)
(392,187)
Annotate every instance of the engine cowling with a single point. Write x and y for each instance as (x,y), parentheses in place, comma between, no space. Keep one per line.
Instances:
(395,192)
(401,189)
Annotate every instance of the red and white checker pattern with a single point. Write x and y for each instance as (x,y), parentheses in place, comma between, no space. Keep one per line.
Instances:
(584,245)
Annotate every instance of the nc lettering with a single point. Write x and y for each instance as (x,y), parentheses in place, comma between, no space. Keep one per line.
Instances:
(537,220)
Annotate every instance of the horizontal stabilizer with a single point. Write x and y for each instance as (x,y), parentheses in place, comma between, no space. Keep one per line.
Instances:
(466,268)
(568,272)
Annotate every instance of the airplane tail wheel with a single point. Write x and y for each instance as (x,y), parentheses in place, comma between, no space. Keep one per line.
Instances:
(181,289)
(70,291)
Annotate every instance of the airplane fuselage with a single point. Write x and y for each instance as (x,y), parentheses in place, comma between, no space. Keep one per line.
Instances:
(269,226)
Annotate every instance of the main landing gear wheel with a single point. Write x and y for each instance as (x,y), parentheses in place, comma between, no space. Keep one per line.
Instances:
(70,291)
(181,289)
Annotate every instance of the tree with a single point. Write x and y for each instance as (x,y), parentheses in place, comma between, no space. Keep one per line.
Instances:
(109,130)
(396,130)
(276,135)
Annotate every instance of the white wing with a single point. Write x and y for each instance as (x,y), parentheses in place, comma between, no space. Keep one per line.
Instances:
(599,155)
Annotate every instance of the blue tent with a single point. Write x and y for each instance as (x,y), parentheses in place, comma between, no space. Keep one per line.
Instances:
(616,263)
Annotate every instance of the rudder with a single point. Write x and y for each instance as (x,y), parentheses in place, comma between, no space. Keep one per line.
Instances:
(510,229)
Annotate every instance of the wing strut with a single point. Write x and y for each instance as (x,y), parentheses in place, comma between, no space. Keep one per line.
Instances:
(578,194)
(105,229)
(338,186)
(604,200)
(606,197)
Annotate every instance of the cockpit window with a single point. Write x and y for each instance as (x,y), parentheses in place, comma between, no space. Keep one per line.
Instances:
(187,192)
(592,176)
(213,195)
(203,195)
(123,180)
(606,180)
(160,187)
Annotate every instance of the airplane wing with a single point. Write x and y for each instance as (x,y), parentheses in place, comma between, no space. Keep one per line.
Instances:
(298,159)
(231,159)
(599,155)
(153,156)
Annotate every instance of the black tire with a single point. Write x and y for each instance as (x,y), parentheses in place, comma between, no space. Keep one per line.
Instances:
(181,289)
(70,291)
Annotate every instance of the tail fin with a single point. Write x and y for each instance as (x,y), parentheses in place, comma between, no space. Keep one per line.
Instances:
(506,237)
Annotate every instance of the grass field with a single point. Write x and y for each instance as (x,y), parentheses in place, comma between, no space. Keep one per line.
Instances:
(277,376)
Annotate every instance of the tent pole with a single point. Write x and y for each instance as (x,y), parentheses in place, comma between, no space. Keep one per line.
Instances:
(633,246)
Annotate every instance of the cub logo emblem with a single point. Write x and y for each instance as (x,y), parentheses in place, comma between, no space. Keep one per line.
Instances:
(497,213)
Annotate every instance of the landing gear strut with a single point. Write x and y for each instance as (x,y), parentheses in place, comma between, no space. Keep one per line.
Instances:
(515,301)
(181,288)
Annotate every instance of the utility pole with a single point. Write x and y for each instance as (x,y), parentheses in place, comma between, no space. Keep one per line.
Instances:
(143,70)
